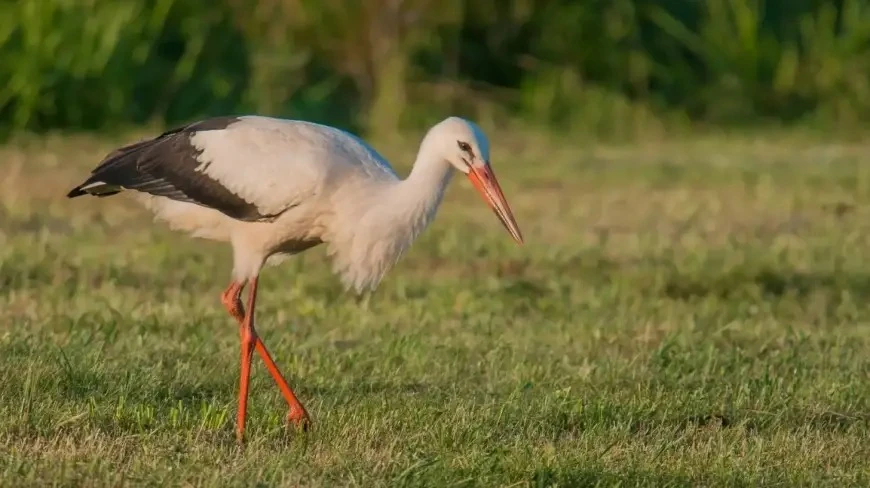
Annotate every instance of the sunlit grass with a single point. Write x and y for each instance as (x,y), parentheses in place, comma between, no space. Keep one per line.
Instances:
(683,313)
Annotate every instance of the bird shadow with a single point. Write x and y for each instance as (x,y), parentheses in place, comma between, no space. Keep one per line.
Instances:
(572,422)
(85,385)
(82,385)
(368,388)
(587,476)
(767,282)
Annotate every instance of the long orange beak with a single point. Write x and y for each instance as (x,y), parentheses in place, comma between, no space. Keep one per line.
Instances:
(484,181)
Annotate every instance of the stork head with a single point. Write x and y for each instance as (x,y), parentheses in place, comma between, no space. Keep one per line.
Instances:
(467,149)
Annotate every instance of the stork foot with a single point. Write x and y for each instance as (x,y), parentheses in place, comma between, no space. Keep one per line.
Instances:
(299,420)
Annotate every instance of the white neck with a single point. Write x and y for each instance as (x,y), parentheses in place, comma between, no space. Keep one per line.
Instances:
(390,223)
(420,193)
(411,204)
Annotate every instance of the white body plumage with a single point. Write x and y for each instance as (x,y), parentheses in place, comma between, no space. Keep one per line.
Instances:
(323,184)
(274,187)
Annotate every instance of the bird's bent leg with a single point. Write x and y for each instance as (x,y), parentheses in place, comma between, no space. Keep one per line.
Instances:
(231,298)
(232,301)
(249,341)
(297,415)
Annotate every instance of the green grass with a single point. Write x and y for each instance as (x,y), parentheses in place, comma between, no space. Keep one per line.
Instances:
(683,314)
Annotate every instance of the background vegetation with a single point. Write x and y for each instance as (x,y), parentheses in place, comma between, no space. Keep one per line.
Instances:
(604,66)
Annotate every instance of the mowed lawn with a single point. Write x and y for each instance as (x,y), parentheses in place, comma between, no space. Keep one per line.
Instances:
(684,313)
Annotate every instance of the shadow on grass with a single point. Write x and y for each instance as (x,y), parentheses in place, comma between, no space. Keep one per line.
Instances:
(369,388)
(61,274)
(85,385)
(567,422)
(601,477)
(803,421)
(108,390)
(767,282)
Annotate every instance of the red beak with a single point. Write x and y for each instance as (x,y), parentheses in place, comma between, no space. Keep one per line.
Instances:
(483,179)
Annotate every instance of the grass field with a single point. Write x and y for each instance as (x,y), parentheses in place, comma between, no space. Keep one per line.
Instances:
(683,314)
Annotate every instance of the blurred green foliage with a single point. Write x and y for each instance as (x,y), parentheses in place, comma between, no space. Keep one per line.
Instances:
(606,66)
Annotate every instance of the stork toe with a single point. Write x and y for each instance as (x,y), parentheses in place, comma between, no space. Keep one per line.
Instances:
(299,419)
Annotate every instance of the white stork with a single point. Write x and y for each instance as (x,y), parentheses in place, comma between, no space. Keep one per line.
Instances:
(273,187)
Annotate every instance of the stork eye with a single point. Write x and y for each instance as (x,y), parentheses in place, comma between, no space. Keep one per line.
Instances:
(464,146)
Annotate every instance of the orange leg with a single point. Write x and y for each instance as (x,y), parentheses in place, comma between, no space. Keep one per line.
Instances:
(249,340)
(231,299)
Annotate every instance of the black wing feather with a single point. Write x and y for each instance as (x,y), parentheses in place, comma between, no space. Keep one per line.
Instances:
(166,166)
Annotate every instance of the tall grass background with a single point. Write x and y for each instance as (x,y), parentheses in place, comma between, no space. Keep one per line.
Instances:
(606,67)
